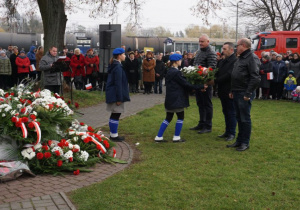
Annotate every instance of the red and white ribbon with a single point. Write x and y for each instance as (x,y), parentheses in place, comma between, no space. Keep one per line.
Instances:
(115,153)
(102,148)
(24,130)
(38,132)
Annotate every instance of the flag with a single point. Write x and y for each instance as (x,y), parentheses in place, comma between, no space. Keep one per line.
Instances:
(32,67)
(270,76)
(88,86)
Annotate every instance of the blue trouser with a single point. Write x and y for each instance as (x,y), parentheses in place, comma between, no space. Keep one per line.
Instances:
(205,107)
(243,116)
(159,83)
(229,114)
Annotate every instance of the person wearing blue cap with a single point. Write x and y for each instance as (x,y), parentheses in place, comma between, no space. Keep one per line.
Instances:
(117,92)
(177,98)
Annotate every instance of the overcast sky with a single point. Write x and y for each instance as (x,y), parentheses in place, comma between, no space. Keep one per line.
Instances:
(172,14)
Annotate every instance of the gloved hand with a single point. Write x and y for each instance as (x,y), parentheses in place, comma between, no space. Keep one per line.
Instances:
(23,67)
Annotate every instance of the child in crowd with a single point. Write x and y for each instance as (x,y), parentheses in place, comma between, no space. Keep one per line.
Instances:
(290,84)
(177,98)
(296,94)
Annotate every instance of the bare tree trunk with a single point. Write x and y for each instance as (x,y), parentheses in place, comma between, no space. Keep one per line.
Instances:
(54,21)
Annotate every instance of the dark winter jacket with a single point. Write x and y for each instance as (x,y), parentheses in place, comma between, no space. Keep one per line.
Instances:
(31,55)
(117,85)
(263,70)
(51,77)
(245,76)
(295,66)
(131,69)
(177,90)
(206,57)
(159,69)
(23,64)
(279,71)
(223,75)
(14,66)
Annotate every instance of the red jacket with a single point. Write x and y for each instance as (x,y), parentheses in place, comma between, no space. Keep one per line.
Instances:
(78,65)
(23,64)
(94,60)
(67,73)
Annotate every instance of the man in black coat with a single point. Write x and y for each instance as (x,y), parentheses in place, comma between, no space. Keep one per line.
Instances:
(14,67)
(131,67)
(206,57)
(159,74)
(223,80)
(244,80)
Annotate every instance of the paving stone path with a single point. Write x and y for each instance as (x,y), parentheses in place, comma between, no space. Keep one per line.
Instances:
(47,191)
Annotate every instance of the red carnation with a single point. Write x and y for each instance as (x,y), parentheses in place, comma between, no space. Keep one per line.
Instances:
(200,72)
(39,156)
(6,95)
(49,142)
(69,102)
(210,69)
(50,106)
(76,172)
(14,119)
(57,153)
(12,94)
(76,105)
(106,144)
(38,123)
(62,98)
(200,67)
(29,102)
(90,129)
(59,163)
(18,124)
(75,150)
(47,155)
(32,116)
(23,110)
(71,159)
(82,124)
(86,140)
(31,125)
(45,147)
(24,119)
(98,147)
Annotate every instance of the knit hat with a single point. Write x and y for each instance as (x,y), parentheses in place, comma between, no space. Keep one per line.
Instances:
(298,88)
(266,56)
(291,72)
(118,51)
(278,55)
(175,57)
(2,51)
(22,51)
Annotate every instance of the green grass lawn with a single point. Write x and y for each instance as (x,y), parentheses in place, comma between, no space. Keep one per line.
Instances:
(202,173)
(85,98)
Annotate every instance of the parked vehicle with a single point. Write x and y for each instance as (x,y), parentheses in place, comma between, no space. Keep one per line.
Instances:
(279,41)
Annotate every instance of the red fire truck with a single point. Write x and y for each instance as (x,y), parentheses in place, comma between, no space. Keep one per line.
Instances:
(279,41)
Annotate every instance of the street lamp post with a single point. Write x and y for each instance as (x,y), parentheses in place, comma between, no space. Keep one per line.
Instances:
(237,20)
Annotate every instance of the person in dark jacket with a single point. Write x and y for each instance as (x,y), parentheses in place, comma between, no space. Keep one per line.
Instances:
(244,80)
(14,67)
(52,80)
(32,58)
(279,74)
(131,67)
(223,81)
(177,98)
(265,68)
(206,57)
(159,74)
(116,92)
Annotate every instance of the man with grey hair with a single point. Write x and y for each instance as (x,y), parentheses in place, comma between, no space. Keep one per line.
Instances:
(206,57)
(244,80)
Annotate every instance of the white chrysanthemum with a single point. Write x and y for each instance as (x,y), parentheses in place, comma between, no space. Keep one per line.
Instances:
(58,149)
(28,153)
(29,150)
(75,138)
(68,154)
(84,155)
(70,145)
(2,92)
(38,146)
(3,115)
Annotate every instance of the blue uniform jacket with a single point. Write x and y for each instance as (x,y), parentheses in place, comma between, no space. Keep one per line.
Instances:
(177,90)
(117,85)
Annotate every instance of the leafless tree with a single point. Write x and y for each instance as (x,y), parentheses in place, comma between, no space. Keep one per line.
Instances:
(277,14)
